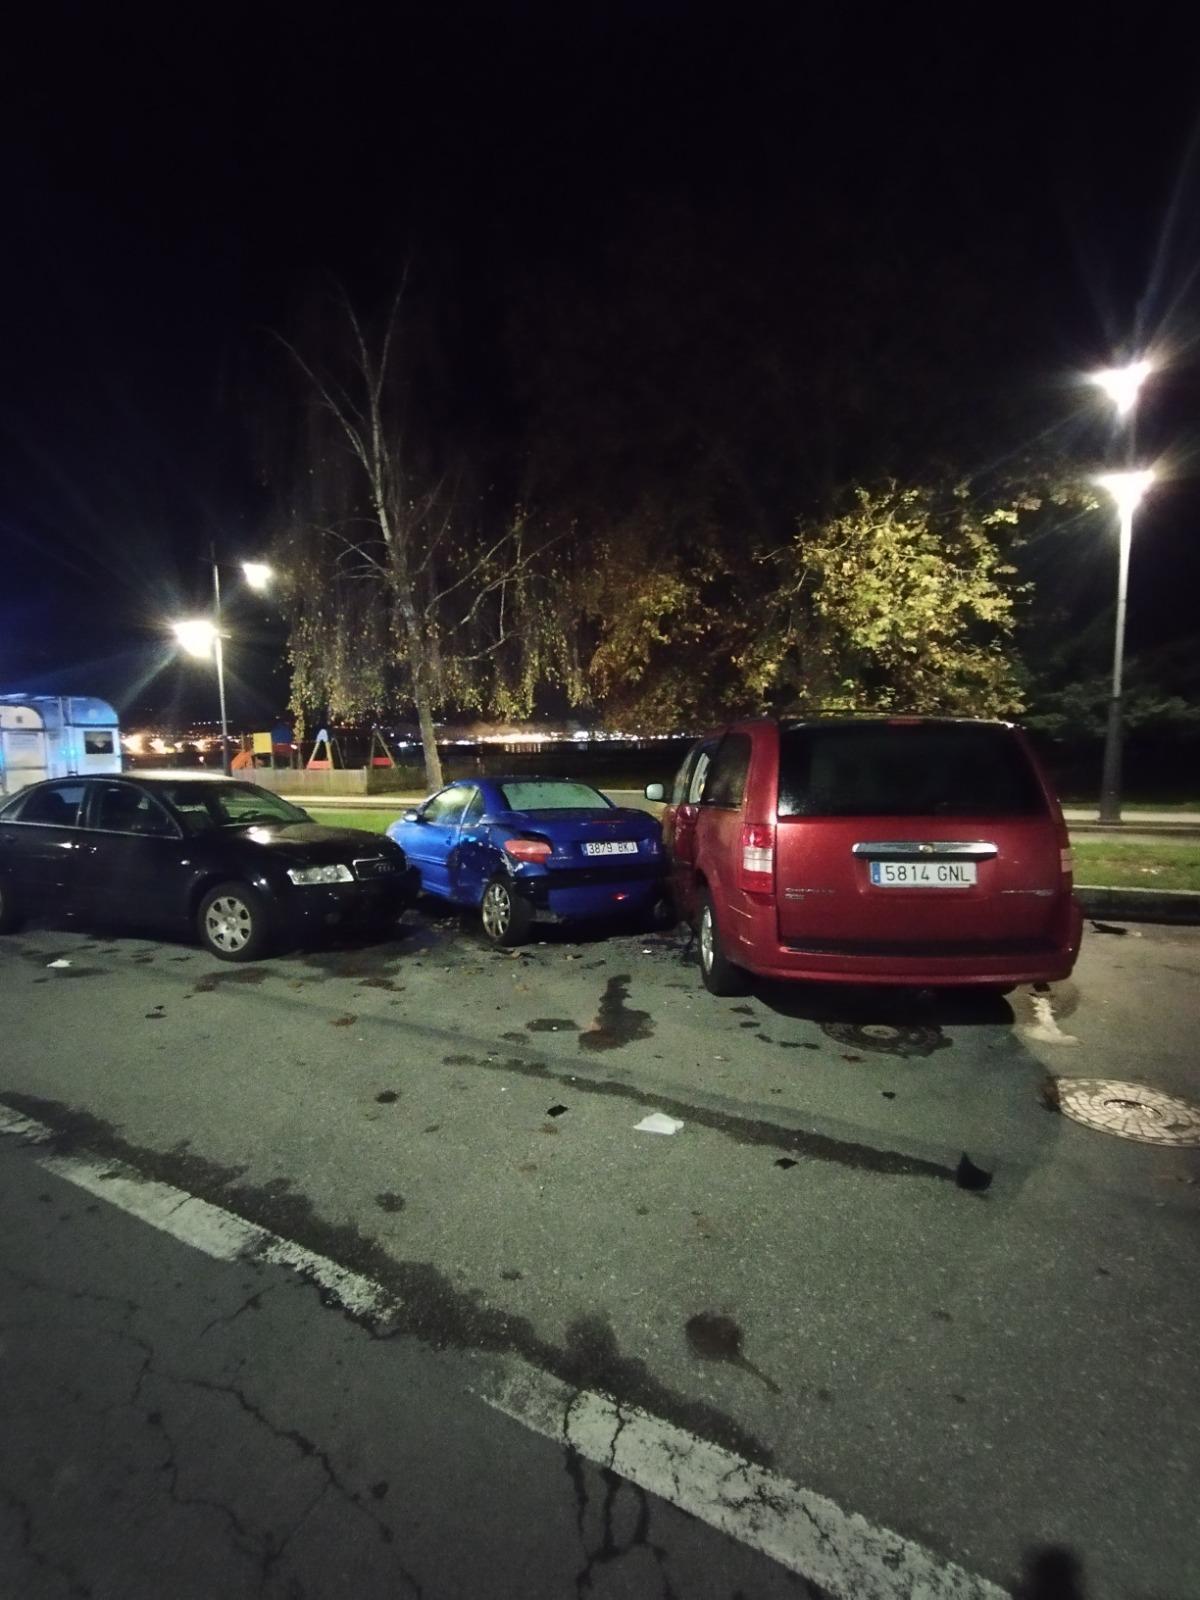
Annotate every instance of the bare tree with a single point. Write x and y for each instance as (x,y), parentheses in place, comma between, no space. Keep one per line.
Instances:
(395,586)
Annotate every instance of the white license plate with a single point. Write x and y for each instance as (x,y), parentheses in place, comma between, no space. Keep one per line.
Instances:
(923,874)
(612,847)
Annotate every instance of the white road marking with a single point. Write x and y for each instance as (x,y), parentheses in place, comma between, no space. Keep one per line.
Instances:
(1045,1028)
(843,1553)
(211,1229)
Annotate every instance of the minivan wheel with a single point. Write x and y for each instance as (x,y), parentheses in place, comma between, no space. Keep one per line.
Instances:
(718,973)
(233,922)
(504,915)
(10,916)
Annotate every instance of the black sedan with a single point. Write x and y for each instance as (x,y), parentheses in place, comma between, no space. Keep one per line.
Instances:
(231,862)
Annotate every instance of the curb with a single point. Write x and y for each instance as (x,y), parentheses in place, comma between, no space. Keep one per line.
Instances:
(1180,906)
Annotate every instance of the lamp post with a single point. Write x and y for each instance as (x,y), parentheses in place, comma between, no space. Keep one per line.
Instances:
(1127,490)
(1122,386)
(202,637)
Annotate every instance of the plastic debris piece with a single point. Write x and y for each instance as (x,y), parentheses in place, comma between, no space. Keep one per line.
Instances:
(59,963)
(785,1162)
(556,1111)
(658,1122)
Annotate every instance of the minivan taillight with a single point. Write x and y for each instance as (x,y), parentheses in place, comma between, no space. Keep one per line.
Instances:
(1066,862)
(758,857)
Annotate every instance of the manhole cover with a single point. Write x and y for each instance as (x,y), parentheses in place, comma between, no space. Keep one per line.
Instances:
(1130,1110)
(887,1038)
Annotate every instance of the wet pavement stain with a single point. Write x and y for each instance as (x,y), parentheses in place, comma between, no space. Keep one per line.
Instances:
(903,1039)
(548,1025)
(742,1130)
(616,1023)
(427,1305)
(714,1337)
(347,1020)
(390,1202)
(208,982)
(387,1097)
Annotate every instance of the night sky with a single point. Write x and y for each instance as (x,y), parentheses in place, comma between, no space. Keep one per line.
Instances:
(178,182)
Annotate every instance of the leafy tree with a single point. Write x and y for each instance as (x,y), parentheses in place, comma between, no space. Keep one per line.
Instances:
(903,601)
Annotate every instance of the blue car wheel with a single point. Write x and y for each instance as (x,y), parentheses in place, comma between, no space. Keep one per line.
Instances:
(505,915)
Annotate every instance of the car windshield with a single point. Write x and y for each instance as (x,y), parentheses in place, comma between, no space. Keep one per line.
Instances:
(203,806)
(553,794)
(905,770)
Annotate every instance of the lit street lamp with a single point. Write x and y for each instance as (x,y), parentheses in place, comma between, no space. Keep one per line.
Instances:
(201,637)
(1121,384)
(1127,490)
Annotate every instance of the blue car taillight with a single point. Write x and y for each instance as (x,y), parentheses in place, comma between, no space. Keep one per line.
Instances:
(536,850)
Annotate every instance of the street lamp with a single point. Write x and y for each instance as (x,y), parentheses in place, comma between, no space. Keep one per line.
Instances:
(1127,490)
(1121,384)
(202,637)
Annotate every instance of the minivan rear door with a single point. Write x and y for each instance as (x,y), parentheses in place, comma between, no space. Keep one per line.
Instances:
(913,836)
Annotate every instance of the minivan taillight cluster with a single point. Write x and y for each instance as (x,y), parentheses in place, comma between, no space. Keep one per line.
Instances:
(758,858)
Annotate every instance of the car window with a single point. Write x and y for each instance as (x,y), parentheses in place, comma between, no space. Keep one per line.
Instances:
(99,742)
(727,775)
(699,774)
(553,794)
(680,786)
(54,805)
(203,804)
(474,807)
(447,807)
(120,808)
(905,770)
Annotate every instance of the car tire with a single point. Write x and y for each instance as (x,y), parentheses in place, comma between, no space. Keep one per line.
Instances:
(233,922)
(504,915)
(718,974)
(10,915)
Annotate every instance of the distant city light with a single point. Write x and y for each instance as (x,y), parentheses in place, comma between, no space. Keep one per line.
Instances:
(258,574)
(197,636)
(1121,384)
(1127,488)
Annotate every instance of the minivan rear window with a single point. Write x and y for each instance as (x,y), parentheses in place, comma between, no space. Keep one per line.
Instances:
(905,770)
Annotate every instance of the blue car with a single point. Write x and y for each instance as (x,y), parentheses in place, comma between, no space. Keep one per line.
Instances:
(523,848)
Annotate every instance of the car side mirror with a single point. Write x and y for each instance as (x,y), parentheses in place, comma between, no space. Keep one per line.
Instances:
(412,816)
(655,791)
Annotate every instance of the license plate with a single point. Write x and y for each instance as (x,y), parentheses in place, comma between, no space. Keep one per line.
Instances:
(923,874)
(611,847)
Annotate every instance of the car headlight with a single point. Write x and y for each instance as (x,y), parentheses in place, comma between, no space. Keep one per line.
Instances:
(303,876)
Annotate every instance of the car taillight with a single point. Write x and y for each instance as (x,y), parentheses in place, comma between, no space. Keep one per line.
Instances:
(758,857)
(1066,861)
(528,849)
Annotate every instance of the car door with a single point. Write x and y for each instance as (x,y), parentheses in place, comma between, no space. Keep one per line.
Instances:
(39,843)
(429,840)
(472,860)
(679,831)
(132,859)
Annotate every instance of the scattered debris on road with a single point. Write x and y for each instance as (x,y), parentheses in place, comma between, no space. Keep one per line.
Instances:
(968,1176)
(658,1122)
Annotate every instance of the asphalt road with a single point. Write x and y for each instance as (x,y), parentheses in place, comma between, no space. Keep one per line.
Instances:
(793,1292)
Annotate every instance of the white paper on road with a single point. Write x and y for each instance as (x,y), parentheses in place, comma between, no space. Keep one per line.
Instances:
(658,1122)
(59,963)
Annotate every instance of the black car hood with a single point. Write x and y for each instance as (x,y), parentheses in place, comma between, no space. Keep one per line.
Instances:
(308,842)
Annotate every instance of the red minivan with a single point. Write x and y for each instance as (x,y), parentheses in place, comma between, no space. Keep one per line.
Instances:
(900,850)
